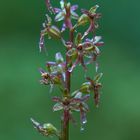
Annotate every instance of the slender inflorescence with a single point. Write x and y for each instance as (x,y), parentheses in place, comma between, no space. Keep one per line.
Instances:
(80,50)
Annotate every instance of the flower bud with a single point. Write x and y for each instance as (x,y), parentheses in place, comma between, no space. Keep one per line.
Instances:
(54,32)
(45,129)
(72,53)
(51,130)
(86,87)
(83,19)
(78,38)
(93,9)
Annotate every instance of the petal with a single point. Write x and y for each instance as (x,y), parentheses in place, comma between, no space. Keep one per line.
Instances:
(85,107)
(49,20)
(57,10)
(56,99)
(59,58)
(74,7)
(41,43)
(83,117)
(74,15)
(62,4)
(60,16)
(57,107)
(63,27)
(41,71)
(85,98)
(88,40)
(74,64)
(78,95)
(97,51)
(96,39)
(35,123)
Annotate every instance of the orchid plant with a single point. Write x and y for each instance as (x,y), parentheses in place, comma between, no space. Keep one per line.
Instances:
(80,50)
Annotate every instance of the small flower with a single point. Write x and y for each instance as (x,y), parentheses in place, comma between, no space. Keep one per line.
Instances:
(58,67)
(50,79)
(89,16)
(84,52)
(66,13)
(76,103)
(95,85)
(45,129)
(91,85)
(50,30)
(92,48)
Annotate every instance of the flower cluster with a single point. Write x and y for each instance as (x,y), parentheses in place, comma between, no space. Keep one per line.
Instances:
(80,50)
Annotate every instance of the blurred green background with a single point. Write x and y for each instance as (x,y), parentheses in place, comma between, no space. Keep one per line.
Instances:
(21,95)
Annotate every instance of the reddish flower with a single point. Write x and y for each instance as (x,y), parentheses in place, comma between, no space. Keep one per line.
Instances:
(89,16)
(86,50)
(76,103)
(50,30)
(66,13)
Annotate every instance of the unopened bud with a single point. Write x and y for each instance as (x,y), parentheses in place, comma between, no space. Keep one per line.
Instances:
(83,19)
(72,53)
(51,130)
(86,87)
(78,38)
(54,32)
(93,9)
(45,129)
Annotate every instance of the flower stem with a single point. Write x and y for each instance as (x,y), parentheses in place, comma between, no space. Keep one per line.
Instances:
(65,120)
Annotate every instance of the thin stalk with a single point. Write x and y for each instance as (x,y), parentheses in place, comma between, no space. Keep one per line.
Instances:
(65,124)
